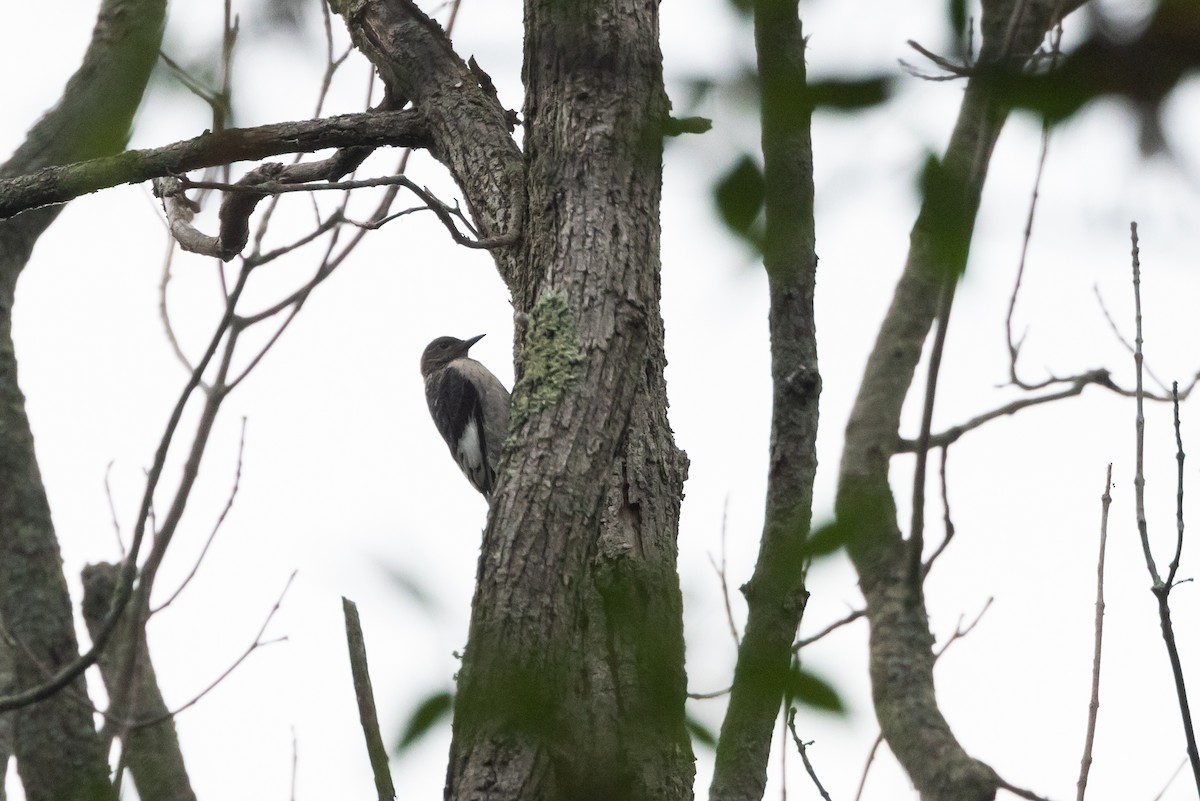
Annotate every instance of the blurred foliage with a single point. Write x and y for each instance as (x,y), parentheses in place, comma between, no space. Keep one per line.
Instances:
(811,690)
(700,733)
(739,195)
(431,711)
(1141,69)
(945,217)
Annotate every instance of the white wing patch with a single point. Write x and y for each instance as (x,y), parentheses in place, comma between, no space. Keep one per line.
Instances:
(470,455)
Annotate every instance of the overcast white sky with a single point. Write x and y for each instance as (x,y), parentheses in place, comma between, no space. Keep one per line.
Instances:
(346,480)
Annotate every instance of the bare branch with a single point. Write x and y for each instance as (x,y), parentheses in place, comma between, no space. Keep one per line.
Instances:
(1139,479)
(1161,590)
(366,703)
(237,480)
(801,746)
(1085,763)
(947,522)
(916,535)
(862,782)
(832,627)
(112,509)
(721,576)
(53,185)
(1179,457)
(1112,324)
(952,434)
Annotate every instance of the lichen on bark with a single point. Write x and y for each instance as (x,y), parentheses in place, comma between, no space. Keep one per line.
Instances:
(552,356)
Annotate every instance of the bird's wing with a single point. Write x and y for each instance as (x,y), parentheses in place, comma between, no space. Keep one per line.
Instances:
(458,413)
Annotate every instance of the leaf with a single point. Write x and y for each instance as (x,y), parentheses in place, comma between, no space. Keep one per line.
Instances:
(812,690)
(826,539)
(428,714)
(740,195)
(849,95)
(701,733)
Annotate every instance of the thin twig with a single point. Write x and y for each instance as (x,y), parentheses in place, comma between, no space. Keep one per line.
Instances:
(163,314)
(1139,479)
(1171,780)
(1014,348)
(952,434)
(1112,324)
(947,521)
(237,480)
(834,626)
(1161,590)
(801,746)
(862,782)
(1085,763)
(1179,457)
(258,642)
(916,544)
(721,576)
(1020,791)
(112,510)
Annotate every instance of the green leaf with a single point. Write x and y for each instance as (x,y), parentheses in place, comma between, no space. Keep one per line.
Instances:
(740,195)
(849,95)
(826,539)
(428,714)
(812,690)
(701,733)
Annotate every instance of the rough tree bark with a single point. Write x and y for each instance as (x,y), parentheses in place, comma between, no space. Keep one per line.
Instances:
(901,659)
(151,752)
(59,755)
(572,683)
(775,594)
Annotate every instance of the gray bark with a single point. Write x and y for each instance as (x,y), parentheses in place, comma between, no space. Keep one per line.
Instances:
(6,719)
(62,183)
(775,594)
(572,683)
(901,659)
(59,755)
(151,752)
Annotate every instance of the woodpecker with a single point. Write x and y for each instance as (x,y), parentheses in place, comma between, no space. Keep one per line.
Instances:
(469,406)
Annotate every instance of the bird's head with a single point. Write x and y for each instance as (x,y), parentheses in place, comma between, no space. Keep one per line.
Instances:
(444,350)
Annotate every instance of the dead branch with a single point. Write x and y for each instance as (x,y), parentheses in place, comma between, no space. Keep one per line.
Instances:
(1161,589)
(1085,763)
(366,702)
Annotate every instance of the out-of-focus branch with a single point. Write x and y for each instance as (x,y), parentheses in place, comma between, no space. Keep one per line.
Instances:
(776,594)
(901,663)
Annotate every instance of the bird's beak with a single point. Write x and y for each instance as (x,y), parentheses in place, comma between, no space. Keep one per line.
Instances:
(468,343)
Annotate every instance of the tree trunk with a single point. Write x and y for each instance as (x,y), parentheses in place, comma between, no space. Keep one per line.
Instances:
(572,683)
(888,565)
(775,594)
(59,755)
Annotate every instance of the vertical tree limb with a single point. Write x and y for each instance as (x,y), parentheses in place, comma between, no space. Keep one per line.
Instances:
(59,756)
(775,595)
(151,752)
(901,660)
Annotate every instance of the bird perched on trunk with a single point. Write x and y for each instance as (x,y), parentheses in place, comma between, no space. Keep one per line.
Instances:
(469,406)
